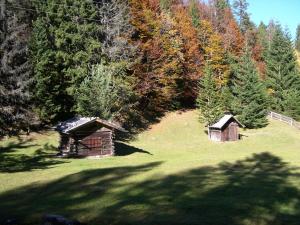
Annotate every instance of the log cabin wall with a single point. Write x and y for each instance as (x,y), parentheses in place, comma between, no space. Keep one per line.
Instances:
(95,144)
(215,135)
(90,140)
(230,132)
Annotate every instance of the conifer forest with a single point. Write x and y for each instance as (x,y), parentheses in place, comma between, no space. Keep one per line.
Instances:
(133,60)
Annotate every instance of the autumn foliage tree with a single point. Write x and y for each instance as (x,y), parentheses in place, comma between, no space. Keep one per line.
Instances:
(160,56)
(193,59)
(213,52)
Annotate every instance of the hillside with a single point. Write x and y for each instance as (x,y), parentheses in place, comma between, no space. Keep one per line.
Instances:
(170,174)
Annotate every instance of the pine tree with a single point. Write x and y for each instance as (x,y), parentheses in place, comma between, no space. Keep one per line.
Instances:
(194,13)
(15,69)
(281,69)
(262,32)
(249,95)
(297,41)
(291,103)
(209,100)
(66,40)
(263,42)
(106,92)
(240,10)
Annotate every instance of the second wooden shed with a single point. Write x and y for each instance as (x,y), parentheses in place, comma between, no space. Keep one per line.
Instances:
(226,129)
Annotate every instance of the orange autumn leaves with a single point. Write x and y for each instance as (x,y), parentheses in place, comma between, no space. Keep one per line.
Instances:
(172,52)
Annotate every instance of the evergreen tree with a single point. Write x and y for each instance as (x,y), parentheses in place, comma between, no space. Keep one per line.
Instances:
(249,95)
(240,10)
(281,68)
(105,93)
(291,103)
(209,100)
(262,32)
(15,69)
(297,41)
(194,13)
(66,40)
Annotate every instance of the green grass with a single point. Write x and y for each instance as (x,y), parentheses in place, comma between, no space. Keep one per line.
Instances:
(170,174)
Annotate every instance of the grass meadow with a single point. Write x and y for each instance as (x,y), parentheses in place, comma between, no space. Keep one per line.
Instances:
(168,174)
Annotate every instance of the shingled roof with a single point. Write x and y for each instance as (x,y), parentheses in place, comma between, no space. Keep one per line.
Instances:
(221,123)
(77,122)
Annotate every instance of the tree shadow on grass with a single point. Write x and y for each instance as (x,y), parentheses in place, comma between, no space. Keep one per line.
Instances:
(12,159)
(15,145)
(123,149)
(70,196)
(253,191)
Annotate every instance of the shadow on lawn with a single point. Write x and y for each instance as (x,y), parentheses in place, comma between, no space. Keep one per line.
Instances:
(123,149)
(14,145)
(253,191)
(12,161)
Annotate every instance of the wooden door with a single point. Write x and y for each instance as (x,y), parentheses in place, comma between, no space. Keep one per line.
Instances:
(233,132)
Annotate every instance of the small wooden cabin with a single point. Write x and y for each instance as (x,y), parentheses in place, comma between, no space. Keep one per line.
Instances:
(226,129)
(87,136)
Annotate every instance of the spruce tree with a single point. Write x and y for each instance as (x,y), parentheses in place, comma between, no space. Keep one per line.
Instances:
(292,103)
(240,8)
(15,69)
(249,94)
(262,34)
(281,69)
(194,13)
(65,42)
(209,100)
(106,92)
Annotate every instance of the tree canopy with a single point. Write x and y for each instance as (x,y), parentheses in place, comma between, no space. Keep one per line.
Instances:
(134,60)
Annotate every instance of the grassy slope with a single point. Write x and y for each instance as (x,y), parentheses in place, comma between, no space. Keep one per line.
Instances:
(171,173)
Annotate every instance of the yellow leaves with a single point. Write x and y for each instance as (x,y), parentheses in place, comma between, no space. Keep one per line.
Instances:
(213,50)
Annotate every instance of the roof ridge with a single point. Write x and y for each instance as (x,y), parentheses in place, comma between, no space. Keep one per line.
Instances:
(79,121)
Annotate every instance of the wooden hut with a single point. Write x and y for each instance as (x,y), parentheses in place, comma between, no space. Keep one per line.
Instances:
(226,129)
(87,136)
